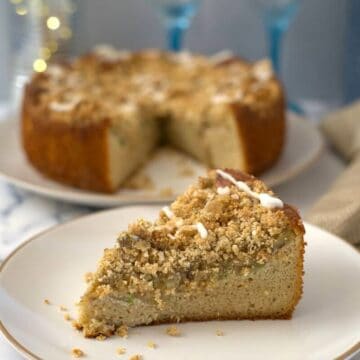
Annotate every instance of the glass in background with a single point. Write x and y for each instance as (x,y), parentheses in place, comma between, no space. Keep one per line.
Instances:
(277,16)
(176,16)
(40,32)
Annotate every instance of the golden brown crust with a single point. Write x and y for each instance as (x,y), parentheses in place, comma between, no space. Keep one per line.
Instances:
(262,133)
(71,154)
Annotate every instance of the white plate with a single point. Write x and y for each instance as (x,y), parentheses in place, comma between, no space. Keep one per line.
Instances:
(303,146)
(52,264)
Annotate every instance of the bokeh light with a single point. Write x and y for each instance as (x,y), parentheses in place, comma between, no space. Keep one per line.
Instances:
(39,65)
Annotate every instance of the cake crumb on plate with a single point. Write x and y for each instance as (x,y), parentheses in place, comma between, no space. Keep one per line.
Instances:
(136,357)
(120,350)
(173,331)
(151,345)
(47,302)
(219,332)
(67,317)
(77,353)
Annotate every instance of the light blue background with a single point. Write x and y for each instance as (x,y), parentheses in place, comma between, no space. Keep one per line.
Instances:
(313,53)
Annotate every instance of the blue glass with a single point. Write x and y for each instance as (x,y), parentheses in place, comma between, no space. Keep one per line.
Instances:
(277,17)
(177,16)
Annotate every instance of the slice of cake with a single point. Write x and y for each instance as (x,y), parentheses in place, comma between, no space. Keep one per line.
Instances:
(225,249)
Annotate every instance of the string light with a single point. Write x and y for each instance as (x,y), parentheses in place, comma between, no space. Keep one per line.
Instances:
(52,40)
(53,23)
(21,10)
(39,65)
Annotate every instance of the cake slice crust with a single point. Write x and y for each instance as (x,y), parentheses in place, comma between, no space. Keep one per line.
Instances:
(215,253)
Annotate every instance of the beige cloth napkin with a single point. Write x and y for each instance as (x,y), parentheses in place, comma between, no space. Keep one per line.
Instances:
(338,211)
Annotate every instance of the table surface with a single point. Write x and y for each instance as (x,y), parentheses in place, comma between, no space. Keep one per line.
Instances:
(23,214)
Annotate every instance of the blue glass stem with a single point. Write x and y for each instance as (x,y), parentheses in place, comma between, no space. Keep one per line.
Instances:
(275,32)
(275,38)
(175,36)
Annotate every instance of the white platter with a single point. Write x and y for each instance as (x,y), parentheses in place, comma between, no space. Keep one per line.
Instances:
(51,265)
(303,146)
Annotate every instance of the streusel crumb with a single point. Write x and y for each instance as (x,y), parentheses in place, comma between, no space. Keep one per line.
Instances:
(139,181)
(76,325)
(120,350)
(151,345)
(47,302)
(173,331)
(77,353)
(88,277)
(219,332)
(123,331)
(101,337)
(67,317)
(63,308)
(136,357)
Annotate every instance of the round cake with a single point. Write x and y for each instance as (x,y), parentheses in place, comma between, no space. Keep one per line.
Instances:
(92,122)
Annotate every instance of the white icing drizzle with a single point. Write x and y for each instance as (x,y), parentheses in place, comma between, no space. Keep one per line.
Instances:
(265,199)
(221,56)
(263,70)
(65,106)
(55,71)
(109,53)
(201,230)
(168,212)
(184,58)
(220,99)
(224,99)
(158,96)
(127,107)
(171,236)
(223,190)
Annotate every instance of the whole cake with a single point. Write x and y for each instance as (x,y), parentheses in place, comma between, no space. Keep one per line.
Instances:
(225,249)
(92,122)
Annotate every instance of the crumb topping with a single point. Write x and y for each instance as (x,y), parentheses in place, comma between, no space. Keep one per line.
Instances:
(136,357)
(121,350)
(123,331)
(88,277)
(67,317)
(151,345)
(208,236)
(82,90)
(101,337)
(77,353)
